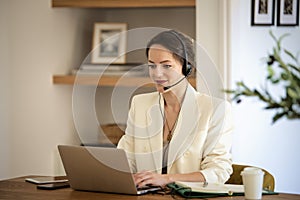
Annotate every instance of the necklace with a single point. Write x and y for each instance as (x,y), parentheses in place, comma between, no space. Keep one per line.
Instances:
(165,121)
(170,134)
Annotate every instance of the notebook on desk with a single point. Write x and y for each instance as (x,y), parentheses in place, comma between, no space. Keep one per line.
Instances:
(99,169)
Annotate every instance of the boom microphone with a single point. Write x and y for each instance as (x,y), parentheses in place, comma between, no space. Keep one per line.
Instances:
(170,86)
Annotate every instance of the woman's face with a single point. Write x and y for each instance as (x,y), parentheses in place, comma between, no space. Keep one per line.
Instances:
(164,69)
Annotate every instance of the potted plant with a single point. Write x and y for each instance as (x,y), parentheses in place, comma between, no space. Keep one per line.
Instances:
(281,74)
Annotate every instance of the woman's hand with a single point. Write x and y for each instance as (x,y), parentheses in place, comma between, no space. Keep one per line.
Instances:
(149,178)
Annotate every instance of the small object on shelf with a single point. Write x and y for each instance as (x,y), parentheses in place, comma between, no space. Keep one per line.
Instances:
(128,69)
(112,67)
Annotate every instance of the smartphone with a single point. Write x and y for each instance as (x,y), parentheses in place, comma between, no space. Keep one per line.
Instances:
(45,180)
(53,186)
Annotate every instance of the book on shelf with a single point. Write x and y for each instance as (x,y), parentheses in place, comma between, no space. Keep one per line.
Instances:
(128,69)
(112,67)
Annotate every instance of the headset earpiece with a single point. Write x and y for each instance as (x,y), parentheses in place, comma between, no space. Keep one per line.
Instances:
(188,70)
(186,67)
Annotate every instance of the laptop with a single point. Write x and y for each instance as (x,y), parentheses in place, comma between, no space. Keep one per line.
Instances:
(99,169)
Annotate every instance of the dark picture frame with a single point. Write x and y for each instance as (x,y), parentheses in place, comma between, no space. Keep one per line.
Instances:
(262,12)
(287,12)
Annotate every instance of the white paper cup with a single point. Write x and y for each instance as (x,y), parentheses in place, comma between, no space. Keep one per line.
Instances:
(253,182)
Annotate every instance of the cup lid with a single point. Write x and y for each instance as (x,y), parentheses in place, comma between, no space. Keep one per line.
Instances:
(252,170)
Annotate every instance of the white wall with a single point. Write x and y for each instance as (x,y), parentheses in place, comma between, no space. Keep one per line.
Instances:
(208,30)
(210,33)
(5,88)
(36,42)
(257,142)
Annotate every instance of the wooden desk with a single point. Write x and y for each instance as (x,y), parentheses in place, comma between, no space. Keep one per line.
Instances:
(17,188)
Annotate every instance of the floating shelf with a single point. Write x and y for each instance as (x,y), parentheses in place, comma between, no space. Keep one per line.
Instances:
(108,80)
(122,3)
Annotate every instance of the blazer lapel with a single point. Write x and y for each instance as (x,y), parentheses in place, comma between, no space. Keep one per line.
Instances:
(156,140)
(184,132)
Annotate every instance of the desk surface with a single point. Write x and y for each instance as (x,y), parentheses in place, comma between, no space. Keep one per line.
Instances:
(17,188)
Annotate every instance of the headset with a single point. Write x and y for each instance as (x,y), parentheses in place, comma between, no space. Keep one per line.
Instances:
(186,67)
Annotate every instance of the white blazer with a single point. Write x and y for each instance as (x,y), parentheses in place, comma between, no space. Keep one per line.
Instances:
(201,140)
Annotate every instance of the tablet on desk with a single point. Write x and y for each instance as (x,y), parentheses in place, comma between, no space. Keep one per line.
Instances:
(45,180)
(53,186)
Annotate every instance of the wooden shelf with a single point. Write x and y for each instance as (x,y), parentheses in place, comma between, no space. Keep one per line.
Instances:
(108,81)
(122,3)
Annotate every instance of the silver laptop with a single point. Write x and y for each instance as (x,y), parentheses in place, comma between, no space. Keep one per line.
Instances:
(99,169)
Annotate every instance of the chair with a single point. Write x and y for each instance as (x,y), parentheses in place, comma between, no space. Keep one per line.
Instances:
(236,178)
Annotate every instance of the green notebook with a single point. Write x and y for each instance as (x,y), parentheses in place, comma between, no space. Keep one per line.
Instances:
(201,190)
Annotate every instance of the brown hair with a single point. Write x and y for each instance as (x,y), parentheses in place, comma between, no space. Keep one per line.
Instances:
(180,45)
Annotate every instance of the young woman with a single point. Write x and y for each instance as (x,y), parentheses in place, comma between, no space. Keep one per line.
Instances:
(176,133)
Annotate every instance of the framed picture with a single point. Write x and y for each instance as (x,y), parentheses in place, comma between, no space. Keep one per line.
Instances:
(288,13)
(109,43)
(262,12)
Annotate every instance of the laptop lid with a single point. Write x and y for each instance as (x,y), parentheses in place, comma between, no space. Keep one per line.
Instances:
(98,169)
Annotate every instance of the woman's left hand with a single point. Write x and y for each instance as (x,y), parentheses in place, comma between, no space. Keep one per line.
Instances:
(149,178)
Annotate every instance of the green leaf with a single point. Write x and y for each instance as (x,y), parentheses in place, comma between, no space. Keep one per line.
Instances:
(278,116)
(272,106)
(290,54)
(284,76)
(292,93)
(229,91)
(275,81)
(240,83)
(272,35)
(270,71)
(294,67)
(280,39)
